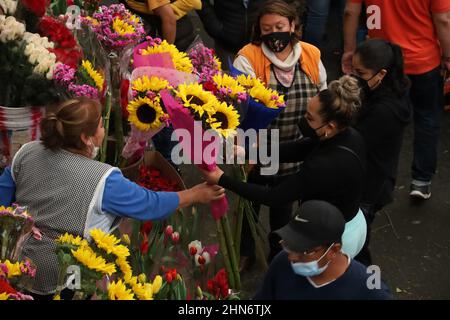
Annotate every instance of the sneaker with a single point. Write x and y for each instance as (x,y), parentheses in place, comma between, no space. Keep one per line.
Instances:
(422,192)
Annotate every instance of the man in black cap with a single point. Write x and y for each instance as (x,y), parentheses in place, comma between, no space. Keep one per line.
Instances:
(312,266)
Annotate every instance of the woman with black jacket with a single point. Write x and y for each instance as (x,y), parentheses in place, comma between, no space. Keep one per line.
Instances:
(385,112)
(333,167)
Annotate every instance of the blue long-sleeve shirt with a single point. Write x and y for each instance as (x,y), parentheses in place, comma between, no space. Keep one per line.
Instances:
(120,197)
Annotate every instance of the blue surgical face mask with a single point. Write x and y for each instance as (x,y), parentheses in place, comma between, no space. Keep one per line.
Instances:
(310,269)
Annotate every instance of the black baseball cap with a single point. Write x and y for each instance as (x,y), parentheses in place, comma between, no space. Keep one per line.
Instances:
(316,223)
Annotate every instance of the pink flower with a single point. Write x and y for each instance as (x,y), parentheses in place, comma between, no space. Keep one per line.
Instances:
(175,237)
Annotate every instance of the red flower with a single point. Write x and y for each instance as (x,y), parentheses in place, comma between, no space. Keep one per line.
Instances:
(192,251)
(209,86)
(57,32)
(201,260)
(6,288)
(152,180)
(171,275)
(219,285)
(124,85)
(169,230)
(38,7)
(144,245)
(69,3)
(146,227)
(175,237)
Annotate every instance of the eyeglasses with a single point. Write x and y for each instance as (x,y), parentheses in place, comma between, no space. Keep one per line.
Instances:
(305,253)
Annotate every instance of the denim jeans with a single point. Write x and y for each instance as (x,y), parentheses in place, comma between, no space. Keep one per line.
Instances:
(427,98)
(316,23)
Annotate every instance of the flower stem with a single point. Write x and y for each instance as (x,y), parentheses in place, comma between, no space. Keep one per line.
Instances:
(231,251)
(226,258)
(106,126)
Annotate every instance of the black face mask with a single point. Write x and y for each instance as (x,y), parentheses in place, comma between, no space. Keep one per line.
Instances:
(364,84)
(307,130)
(277,41)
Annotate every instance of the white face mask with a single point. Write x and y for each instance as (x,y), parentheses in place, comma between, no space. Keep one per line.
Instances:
(310,269)
(95,149)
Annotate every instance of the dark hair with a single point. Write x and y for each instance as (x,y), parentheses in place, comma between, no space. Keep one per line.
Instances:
(376,54)
(341,101)
(281,8)
(64,123)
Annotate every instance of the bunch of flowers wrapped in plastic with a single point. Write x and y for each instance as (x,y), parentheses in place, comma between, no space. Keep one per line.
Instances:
(13,276)
(14,223)
(85,81)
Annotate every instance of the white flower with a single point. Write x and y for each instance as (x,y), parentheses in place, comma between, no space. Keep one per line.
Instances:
(195,244)
(202,259)
(10,29)
(9,6)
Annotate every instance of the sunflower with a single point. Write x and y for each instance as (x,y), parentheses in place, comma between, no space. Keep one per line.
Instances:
(218,63)
(248,82)
(118,291)
(70,239)
(229,83)
(267,97)
(145,113)
(224,119)
(180,60)
(154,84)
(87,257)
(195,98)
(93,74)
(124,266)
(104,241)
(122,28)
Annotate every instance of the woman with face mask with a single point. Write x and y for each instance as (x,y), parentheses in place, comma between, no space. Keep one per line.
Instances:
(385,112)
(333,166)
(284,63)
(65,190)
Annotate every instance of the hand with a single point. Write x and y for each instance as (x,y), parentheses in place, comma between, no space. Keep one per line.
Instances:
(212,177)
(346,62)
(205,193)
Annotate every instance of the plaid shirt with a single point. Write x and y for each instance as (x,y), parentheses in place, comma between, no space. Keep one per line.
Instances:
(296,98)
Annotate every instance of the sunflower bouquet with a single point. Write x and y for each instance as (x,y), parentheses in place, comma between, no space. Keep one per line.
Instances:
(105,257)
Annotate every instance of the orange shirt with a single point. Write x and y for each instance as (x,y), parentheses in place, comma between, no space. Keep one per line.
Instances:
(409,24)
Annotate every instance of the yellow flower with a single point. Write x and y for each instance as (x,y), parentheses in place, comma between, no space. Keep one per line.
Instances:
(124,267)
(87,257)
(157,283)
(143,291)
(4,296)
(13,269)
(142,278)
(92,20)
(94,74)
(195,98)
(122,27)
(70,239)
(224,119)
(267,97)
(135,19)
(104,241)
(126,239)
(218,63)
(57,297)
(118,291)
(248,82)
(144,84)
(145,113)
(229,83)
(180,59)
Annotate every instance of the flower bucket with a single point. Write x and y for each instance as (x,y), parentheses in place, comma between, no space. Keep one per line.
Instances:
(17,127)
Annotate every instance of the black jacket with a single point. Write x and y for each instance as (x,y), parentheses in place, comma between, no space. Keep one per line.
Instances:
(229,22)
(381,122)
(328,172)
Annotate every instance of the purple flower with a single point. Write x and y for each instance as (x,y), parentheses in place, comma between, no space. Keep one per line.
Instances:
(64,74)
(83,90)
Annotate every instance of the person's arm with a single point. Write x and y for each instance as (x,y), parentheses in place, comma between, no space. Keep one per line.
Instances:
(7,188)
(213,26)
(322,77)
(242,64)
(296,151)
(442,24)
(168,22)
(351,23)
(127,199)
(182,7)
